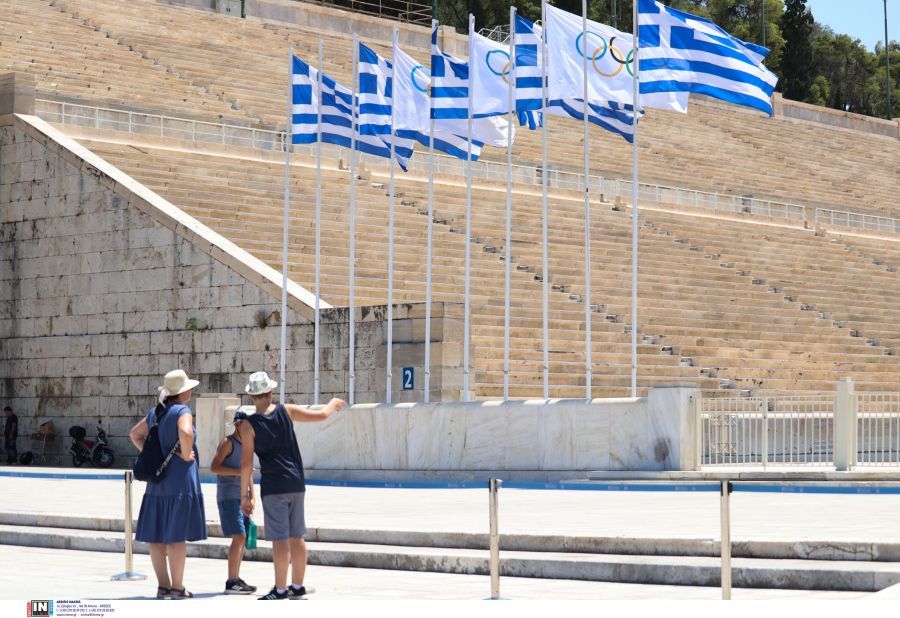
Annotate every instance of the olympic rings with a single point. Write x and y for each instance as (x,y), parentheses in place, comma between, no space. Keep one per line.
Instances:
(614,52)
(504,72)
(415,82)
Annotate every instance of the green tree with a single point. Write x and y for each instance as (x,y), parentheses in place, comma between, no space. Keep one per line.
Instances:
(797,25)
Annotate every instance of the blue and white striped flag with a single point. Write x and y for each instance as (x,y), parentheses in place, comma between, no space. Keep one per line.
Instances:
(336,103)
(375,100)
(612,116)
(450,100)
(410,88)
(529,90)
(681,52)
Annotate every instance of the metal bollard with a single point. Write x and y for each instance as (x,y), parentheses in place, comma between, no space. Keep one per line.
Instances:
(493,491)
(129,574)
(725,493)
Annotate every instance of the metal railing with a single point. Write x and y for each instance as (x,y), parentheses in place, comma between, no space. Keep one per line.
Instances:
(153,125)
(805,430)
(202,132)
(855,220)
(401,10)
(762,431)
(878,429)
(497,33)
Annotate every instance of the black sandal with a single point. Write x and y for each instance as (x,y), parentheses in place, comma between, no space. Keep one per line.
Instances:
(181,594)
(163,593)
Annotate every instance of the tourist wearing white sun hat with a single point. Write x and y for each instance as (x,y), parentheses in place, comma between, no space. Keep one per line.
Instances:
(172,509)
(270,434)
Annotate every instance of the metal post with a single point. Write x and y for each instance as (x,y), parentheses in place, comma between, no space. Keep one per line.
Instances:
(351,314)
(289,142)
(493,499)
(467,301)
(725,494)
(887,62)
(129,574)
(635,229)
(508,252)
(587,212)
(427,385)
(389,387)
(317,376)
(545,261)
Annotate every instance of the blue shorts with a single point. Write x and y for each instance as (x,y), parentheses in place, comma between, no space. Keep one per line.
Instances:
(233,520)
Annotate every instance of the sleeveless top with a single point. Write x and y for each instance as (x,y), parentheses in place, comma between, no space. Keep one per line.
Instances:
(229,487)
(281,467)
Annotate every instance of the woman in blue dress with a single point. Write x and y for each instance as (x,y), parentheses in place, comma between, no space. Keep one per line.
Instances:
(172,510)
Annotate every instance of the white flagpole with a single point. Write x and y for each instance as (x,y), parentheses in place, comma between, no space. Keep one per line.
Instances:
(545,215)
(427,384)
(467,322)
(288,147)
(317,377)
(390,294)
(508,256)
(634,207)
(351,315)
(587,213)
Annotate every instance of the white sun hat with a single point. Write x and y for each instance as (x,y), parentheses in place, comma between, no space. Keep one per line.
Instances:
(175,383)
(260,384)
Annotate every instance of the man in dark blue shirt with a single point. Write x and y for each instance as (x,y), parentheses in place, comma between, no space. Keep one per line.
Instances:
(10,435)
(269,432)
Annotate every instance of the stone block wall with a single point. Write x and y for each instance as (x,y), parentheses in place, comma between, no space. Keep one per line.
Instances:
(104,287)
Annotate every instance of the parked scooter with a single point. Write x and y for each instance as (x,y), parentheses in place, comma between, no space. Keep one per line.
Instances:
(96,452)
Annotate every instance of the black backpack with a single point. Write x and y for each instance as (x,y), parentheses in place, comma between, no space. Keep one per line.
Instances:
(151,463)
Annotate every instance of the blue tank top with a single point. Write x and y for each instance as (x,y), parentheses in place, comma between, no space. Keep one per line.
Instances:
(281,468)
(229,487)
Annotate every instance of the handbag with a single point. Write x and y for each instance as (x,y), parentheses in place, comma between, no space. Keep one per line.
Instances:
(151,464)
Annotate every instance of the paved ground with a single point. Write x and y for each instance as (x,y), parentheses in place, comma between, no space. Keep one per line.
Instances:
(690,515)
(85,575)
(756,516)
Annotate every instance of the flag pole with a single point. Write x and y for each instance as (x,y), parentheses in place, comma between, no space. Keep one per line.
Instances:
(635,190)
(508,256)
(390,294)
(317,376)
(587,212)
(545,214)
(430,221)
(467,326)
(288,147)
(351,315)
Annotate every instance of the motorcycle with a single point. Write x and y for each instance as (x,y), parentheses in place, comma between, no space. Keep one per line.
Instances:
(96,452)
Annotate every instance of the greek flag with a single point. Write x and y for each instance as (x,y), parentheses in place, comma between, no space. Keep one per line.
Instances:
(450,100)
(610,116)
(375,100)
(684,53)
(336,102)
(529,90)
(610,55)
(410,88)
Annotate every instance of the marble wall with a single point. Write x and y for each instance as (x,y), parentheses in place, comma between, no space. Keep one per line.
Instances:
(647,433)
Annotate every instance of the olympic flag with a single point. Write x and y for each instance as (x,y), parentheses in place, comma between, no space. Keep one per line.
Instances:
(610,116)
(681,52)
(609,53)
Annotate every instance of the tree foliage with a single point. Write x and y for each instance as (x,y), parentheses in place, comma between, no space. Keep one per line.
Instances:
(813,63)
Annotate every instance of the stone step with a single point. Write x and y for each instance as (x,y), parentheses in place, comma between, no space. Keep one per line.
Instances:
(847,575)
